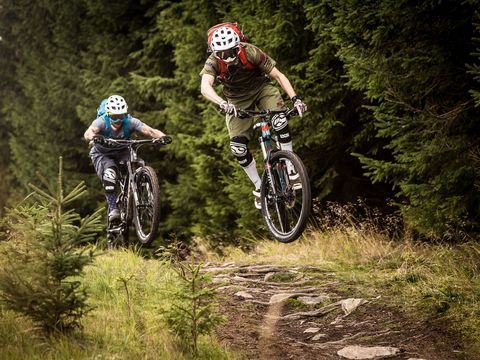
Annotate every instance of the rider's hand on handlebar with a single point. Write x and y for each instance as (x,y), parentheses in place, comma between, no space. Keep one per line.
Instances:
(299,105)
(228,108)
(164,140)
(99,139)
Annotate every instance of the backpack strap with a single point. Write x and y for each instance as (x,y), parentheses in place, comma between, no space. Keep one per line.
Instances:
(126,128)
(223,69)
(243,59)
(108,131)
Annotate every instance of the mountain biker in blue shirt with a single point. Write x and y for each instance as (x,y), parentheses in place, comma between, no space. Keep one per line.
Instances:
(116,123)
(245,72)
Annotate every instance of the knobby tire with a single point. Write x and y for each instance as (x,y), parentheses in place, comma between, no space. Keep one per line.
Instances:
(146,213)
(285,211)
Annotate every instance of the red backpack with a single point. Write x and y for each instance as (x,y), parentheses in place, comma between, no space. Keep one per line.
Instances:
(241,54)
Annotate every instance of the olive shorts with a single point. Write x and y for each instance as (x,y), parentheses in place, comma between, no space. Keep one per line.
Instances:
(267,98)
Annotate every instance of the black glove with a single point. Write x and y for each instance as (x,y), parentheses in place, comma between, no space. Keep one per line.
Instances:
(164,140)
(299,105)
(99,139)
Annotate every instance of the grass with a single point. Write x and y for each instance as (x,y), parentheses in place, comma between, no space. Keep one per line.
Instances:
(126,294)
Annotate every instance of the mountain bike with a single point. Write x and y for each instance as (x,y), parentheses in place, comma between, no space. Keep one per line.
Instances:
(139,197)
(286,203)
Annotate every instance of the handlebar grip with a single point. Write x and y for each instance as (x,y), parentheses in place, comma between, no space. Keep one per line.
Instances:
(166,139)
(292,112)
(242,114)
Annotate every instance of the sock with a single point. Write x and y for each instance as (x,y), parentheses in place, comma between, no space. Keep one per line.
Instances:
(287,146)
(252,173)
(111,201)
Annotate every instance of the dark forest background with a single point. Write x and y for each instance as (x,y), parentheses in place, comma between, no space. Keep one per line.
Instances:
(392,88)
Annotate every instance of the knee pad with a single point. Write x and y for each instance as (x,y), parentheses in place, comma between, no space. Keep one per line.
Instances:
(280,124)
(238,146)
(109,179)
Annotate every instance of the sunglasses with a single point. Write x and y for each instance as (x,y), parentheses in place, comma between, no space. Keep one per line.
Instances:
(117,118)
(229,54)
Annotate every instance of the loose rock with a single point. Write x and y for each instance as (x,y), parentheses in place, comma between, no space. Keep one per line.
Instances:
(363,352)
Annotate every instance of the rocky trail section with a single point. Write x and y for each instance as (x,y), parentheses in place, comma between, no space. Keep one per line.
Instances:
(304,312)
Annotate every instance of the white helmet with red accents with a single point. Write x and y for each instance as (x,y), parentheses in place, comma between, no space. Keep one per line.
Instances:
(116,105)
(224,38)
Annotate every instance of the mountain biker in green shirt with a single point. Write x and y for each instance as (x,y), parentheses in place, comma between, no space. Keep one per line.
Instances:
(115,123)
(245,72)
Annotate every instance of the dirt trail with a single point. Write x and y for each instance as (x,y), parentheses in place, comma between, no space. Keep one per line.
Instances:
(304,312)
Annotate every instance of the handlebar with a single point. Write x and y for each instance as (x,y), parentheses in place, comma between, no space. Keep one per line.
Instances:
(164,140)
(244,114)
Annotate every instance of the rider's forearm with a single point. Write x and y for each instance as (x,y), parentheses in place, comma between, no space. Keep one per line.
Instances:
(151,132)
(212,96)
(89,134)
(286,85)
(283,81)
(209,92)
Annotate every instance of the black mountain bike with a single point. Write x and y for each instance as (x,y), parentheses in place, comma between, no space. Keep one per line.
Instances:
(286,203)
(139,197)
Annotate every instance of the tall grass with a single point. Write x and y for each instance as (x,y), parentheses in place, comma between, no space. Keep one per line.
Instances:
(127,293)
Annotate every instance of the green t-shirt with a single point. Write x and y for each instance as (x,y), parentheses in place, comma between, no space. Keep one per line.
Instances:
(239,82)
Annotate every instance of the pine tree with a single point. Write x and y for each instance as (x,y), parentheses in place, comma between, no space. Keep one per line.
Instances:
(193,312)
(44,257)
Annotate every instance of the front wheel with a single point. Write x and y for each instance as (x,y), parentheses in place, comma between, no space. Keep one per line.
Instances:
(146,209)
(286,202)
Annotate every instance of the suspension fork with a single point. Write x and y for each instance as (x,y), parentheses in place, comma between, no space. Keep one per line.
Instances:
(134,159)
(266,145)
(132,186)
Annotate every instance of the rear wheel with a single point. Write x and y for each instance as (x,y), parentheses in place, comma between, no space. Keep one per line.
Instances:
(285,203)
(146,208)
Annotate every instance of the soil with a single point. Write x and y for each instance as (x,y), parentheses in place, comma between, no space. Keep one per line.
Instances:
(257,327)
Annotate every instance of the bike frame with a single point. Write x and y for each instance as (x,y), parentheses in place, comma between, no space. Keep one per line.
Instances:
(266,144)
(266,137)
